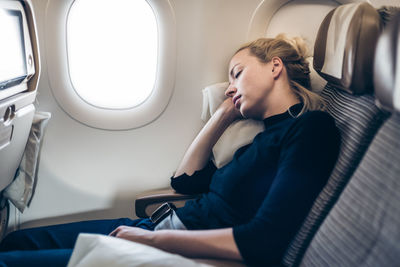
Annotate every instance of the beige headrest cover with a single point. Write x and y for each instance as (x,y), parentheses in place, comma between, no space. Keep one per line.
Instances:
(345,45)
(387,66)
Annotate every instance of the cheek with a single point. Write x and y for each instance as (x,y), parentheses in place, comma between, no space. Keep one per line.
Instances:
(246,84)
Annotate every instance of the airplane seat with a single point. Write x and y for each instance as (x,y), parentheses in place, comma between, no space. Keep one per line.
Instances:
(363,229)
(343,56)
(18,84)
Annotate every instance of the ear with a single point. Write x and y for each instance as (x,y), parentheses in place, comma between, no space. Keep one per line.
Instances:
(277,67)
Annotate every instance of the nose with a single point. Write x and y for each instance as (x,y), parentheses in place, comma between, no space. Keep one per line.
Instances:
(230,91)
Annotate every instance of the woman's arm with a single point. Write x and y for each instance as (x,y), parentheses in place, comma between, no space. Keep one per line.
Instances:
(196,157)
(217,243)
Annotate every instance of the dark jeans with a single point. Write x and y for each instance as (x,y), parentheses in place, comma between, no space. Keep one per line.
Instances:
(52,245)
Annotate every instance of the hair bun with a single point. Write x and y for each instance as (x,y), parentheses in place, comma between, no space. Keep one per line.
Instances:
(298,43)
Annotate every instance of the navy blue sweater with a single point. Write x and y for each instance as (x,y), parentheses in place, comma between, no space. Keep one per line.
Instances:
(266,191)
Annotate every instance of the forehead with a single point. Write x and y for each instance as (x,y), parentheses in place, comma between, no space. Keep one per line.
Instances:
(239,57)
(243,57)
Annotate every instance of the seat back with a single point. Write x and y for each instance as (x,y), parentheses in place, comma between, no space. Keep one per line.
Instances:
(342,57)
(17,89)
(363,228)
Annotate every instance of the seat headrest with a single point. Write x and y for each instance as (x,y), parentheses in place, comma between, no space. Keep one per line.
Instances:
(344,47)
(387,66)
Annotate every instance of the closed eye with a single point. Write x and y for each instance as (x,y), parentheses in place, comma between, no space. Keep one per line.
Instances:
(238,74)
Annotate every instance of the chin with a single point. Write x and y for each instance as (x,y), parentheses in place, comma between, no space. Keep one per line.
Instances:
(244,113)
(247,114)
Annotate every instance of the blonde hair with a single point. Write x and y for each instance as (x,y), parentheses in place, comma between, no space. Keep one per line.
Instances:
(292,52)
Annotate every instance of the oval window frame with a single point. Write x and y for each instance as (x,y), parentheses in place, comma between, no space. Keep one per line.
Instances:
(103,118)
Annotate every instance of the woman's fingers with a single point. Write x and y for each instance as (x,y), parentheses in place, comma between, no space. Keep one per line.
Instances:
(133,234)
(116,231)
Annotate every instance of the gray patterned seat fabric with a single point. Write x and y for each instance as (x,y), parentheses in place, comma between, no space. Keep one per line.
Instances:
(363,229)
(357,117)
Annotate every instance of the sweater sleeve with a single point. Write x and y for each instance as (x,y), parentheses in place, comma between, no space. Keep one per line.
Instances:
(197,183)
(308,153)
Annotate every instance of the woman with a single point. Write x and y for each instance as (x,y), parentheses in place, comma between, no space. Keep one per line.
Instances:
(252,207)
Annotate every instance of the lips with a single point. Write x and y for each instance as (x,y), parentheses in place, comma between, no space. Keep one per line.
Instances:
(236,101)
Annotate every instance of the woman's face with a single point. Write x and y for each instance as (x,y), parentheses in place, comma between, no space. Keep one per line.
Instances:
(250,83)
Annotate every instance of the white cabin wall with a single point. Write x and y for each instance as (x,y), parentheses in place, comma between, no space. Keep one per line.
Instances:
(87,173)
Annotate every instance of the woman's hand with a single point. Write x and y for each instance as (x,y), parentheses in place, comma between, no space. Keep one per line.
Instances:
(228,109)
(135,234)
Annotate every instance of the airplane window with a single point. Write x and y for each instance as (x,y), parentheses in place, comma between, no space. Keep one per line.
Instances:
(111,63)
(112,57)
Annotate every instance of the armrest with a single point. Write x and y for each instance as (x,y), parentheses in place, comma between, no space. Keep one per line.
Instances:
(157,197)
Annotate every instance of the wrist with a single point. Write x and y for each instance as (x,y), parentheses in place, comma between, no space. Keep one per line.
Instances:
(225,117)
(150,238)
(158,238)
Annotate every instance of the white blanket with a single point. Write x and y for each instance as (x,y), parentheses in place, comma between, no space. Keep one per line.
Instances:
(92,250)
